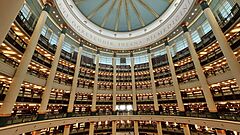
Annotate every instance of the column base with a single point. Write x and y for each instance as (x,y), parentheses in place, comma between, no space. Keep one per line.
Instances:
(93,113)
(213,115)
(70,114)
(156,113)
(114,113)
(41,117)
(135,113)
(4,120)
(181,113)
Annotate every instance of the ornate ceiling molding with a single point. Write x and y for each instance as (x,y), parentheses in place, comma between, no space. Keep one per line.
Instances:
(153,32)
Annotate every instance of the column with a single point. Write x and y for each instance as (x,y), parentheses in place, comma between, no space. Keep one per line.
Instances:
(222,41)
(114,124)
(75,80)
(66,129)
(202,78)
(155,100)
(21,70)
(9,9)
(114,127)
(174,79)
(49,84)
(186,129)
(136,132)
(220,131)
(91,128)
(95,86)
(159,128)
(36,133)
(134,93)
(114,84)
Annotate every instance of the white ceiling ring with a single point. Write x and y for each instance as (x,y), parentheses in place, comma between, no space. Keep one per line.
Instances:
(153,32)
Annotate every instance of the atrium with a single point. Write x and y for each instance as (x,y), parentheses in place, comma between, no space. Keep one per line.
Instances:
(119,67)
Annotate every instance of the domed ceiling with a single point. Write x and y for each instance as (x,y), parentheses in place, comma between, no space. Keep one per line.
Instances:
(123,24)
(122,15)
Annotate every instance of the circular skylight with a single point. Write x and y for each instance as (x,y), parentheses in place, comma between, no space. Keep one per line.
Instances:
(123,24)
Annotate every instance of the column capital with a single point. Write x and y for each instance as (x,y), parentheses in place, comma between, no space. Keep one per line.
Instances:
(47,6)
(185,26)
(98,51)
(131,54)
(203,4)
(81,44)
(166,43)
(114,54)
(148,50)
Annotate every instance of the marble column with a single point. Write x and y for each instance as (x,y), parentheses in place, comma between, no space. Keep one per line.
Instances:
(154,92)
(159,128)
(136,132)
(91,128)
(202,78)
(186,129)
(222,41)
(114,84)
(66,130)
(174,79)
(75,80)
(51,76)
(22,68)
(95,86)
(114,127)
(134,93)
(9,9)
(220,132)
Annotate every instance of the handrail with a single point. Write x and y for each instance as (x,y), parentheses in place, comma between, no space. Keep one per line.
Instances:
(37,125)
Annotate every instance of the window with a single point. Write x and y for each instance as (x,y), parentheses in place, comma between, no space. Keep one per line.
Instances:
(141,59)
(53,39)
(105,60)
(44,30)
(195,37)
(225,9)
(26,11)
(206,27)
(128,61)
(181,44)
(66,47)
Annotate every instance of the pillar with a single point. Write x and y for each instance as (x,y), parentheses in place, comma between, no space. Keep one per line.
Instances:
(95,86)
(222,41)
(114,83)
(21,70)
(220,132)
(114,127)
(51,76)
(91,128)
(155,100)
(75,80)
(9,9)
(66,130)
(134,93)
(159,128)
(136,132)
(202,78)
(186,129)
(174,79)
(36,133)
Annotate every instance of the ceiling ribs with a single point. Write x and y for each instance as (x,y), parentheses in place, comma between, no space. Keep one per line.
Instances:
(94,12)
(118,15)
(151,10)
(127,15)
(106,17)
(138,14)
